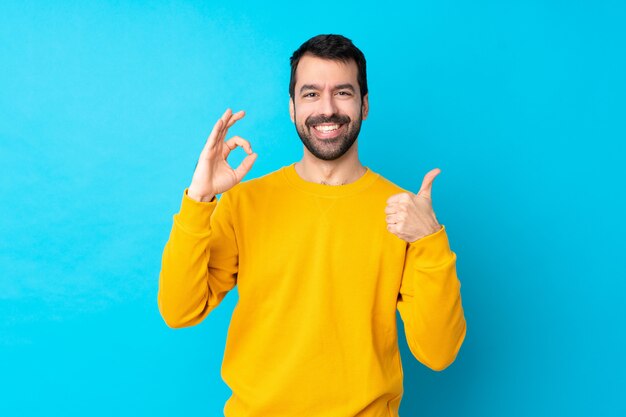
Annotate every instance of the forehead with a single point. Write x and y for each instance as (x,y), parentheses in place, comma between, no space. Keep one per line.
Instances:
(315,70)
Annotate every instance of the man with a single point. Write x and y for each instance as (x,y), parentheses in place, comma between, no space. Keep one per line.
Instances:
(323,252)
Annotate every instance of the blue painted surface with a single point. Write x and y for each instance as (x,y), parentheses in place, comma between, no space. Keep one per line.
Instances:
(105,106)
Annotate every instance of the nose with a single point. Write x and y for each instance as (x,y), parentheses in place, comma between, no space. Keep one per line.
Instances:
(327,105)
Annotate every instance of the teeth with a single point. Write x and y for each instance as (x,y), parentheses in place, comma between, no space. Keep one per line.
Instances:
(327,128)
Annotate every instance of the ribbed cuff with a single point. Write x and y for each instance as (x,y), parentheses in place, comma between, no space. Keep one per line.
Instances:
(432,250)
(195,216)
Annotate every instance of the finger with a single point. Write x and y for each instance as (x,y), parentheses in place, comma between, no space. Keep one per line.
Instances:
(224,127)
(233,118)
(396,208)
(398,198)
(210,142)
(219,135)
(227,115)
(427,183)
(392,219)
(236,116)
(235,141)
(231,121)
(244,166)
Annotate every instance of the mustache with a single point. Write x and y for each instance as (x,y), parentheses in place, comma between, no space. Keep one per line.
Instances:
(334,118)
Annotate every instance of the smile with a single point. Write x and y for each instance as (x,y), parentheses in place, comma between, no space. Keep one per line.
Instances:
(325,128)
(328,131)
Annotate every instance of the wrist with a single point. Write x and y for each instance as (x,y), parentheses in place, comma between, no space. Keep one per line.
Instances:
(203,198)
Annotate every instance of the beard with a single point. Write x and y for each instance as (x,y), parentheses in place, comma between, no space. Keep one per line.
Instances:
(331,149)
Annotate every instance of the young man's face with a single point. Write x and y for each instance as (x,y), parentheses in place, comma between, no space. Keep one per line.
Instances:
(327,107)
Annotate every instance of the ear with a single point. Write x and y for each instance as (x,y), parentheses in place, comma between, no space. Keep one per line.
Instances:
(365,106)
(292,110)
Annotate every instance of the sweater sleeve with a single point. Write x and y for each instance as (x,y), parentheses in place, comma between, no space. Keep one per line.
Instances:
(430,301)
(199,263)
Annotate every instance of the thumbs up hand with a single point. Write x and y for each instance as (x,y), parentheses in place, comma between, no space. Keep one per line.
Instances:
(411,216)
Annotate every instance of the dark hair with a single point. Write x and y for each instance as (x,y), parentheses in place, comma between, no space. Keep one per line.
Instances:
(333,47)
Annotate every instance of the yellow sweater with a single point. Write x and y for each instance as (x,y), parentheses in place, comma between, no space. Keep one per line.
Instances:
(319,279)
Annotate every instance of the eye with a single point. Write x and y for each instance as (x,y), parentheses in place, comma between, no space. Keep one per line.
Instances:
(344,93)
(307,95)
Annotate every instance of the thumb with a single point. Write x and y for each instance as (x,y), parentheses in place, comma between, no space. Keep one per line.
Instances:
(427,183)
(245,166)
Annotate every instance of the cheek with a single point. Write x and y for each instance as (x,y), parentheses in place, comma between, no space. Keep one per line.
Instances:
(301,114)
(351,109)
(300,119)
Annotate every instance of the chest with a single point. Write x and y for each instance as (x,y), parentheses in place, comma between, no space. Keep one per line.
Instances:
(318,245)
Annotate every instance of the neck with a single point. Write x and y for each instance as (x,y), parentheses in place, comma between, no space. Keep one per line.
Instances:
(340,171)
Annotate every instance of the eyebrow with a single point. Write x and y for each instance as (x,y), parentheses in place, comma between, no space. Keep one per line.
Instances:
(346,86)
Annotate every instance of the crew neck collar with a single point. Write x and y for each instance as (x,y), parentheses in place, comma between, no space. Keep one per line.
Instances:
(361,183)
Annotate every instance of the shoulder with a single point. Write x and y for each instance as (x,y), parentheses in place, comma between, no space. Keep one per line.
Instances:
(262,185)
(386,188)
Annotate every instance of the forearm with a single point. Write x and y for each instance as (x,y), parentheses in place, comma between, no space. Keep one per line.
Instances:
(431,304)
(183,281)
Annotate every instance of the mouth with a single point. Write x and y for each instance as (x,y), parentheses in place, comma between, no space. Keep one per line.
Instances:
(328,130)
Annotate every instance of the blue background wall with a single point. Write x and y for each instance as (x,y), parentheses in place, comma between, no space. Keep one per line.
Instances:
(105,106)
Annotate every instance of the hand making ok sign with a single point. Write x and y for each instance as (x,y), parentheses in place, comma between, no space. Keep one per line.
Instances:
(213,174)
